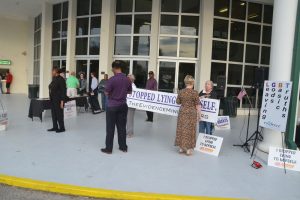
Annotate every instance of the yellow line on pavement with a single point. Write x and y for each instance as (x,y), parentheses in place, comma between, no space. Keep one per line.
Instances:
(93,192)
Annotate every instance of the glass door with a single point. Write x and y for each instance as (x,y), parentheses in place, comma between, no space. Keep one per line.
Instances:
(86,67)
(171,75)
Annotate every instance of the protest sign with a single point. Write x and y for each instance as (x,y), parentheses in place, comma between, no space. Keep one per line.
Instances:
(280,158)
(154,101)
(209,144)
(70,110)
(3,120)
(223,123)
(275,105)
(209,110)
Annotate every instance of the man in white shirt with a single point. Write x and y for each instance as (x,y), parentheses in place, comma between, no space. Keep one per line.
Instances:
(94,95)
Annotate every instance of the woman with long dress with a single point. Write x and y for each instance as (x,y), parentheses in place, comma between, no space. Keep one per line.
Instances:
(188,117)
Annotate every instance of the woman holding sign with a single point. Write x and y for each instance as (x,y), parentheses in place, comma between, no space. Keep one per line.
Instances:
(208,92)
(187,117)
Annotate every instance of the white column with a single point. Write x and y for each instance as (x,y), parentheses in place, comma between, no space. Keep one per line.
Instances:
(206,28)
(154,36)
(30,52)
(46,38)
(283,31)
(107,36)
(70,59)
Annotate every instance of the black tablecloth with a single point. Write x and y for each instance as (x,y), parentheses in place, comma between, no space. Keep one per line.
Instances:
(37,106)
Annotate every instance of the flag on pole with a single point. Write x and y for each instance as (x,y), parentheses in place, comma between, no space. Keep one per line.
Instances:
(242,94)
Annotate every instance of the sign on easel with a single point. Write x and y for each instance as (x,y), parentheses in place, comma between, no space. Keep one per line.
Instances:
(209,144)
(275,105)
(223,123)
(284,158)
(70,110)
(209,110)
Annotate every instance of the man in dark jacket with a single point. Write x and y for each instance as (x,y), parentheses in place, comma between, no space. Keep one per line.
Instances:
(57,94)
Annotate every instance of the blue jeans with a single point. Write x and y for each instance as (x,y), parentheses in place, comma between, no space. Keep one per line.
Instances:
(103,101)
(205,127)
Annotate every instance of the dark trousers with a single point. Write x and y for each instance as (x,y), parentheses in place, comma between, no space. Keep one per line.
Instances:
(116,116)
(95,103)
(57,115)
(150,115)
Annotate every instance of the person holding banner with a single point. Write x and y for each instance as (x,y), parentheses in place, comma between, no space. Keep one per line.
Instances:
(131,111)
(187,117)
(208,92)
(116,89)
(151,85)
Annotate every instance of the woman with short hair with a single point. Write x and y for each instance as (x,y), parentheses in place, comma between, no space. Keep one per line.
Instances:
(187,117)
(131,111)
(208,92)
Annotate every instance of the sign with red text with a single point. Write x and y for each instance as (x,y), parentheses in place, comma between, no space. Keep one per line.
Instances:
(280,158)
(209,144)
(209,110)
(275,105)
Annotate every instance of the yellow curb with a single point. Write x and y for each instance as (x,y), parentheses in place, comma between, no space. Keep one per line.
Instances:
(93,192)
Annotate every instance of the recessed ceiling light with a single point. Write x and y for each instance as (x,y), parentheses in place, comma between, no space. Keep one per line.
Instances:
(223,10)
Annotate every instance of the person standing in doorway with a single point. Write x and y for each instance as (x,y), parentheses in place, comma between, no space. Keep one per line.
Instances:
(82,84)
(208,92)
(151,85)
(131,111)
(72,85)
(9,79)
(94,95)
(101,89)
(57,94)
(117,88)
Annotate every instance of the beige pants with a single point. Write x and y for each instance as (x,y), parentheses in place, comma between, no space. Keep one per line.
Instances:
(71,92)
(130,120)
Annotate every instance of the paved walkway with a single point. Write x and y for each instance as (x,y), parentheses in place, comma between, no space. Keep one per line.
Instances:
(13,193)
(151,165)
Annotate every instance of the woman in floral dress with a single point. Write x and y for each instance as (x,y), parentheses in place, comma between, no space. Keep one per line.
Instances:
(188,117)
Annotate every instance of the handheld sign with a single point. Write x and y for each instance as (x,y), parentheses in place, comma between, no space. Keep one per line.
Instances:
(209,110)
(223,123)
(275,105)
(209,144)
(280,158)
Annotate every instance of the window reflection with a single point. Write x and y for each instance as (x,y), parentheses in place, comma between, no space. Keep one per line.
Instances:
(141,45)
(235,74)
(142,24)
(168,46)
(140,71)
(220,28)
(237,31)
(166,76)
(122,45)
(169,24)
(188,47)
(189,25)
(184,70)
(123,24)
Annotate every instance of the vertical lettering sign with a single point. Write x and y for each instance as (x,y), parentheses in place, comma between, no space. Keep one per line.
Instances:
(275,105)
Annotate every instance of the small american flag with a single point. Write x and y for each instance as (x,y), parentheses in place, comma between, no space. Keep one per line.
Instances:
(242,94)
